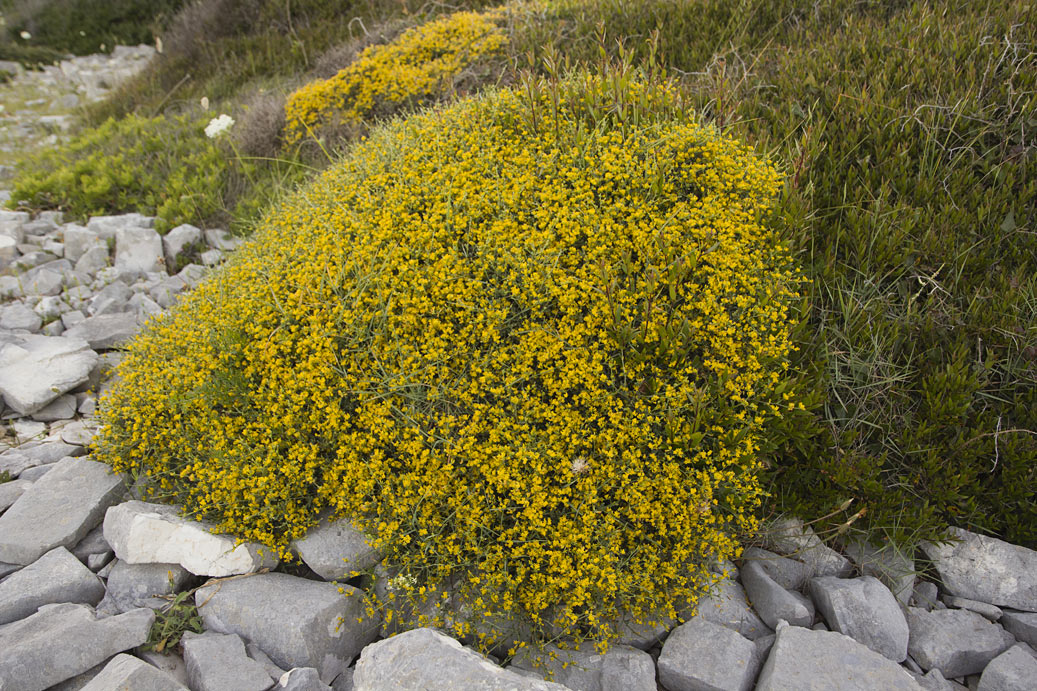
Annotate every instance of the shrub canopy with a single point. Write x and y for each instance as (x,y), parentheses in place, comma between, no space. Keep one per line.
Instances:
(530,340)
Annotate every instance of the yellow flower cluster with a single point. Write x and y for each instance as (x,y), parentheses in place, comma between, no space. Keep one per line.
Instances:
(418,64)
(531,348)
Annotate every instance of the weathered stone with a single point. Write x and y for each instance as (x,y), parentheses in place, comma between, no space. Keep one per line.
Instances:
(991,612)
(423,659)
(344,681)
(10,491)
(926,596)
(865,610)
(933,681)
(19,317)
(143,533)
(772,602)
(16,461)
(262,658)
(955,641)
(1022,625)
(129,673)
(34,474)
(788,573)
(808,660)
(168,662)
(138,251)
(28,430)
(58,510)
(335,549)
(584,669)
(222,240)
(93,260)
(179,241)
(79,240)
(132,586)
(791,538)
(302,679)
(702,656)
(43,280)
(42,368)
(217,662)
(108,227)
(61,408)
(106,331)
(728,606)
(61,641)
(165,294)
(57,576)
(297,622)
(986,569)
(1012,670)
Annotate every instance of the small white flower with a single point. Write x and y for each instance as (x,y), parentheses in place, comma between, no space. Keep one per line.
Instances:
(218,126)
(579,465)
(205,103)
(402,582)
(25,35)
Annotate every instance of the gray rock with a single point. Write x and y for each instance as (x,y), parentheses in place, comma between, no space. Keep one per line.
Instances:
(19,317)
(42,368)
(217,662)
(986,569)
(93,543)
(222,240)
(991,612)
(788,573)
(93,260)
(34,474)
(28,430)
(143,533)
(336,549)
(61,408)
(54,328)
(107,227)
(42,280)
(791,538)
(344,681)
(926,596)
(643,634)
(16,461)
(70,319)
(772,602)
(888,564)
(584,669)
(1022,625)
(10,287)
(211,257)
(78,682)
(179,241)
(168,662)
(728,606)
(57,576)
(262,658)
(129,673)
(808,660)
(138,251)
(297,622)
(193,275)
(7,569)
(10,491)
(955,641)
(112,299)
(39,227)
(702,656)
(132,586)
(144,307)
(423,659)
(79,240)
(51,307)
(1012,670)
(58,510)
(61,641)
(106,331)
(302,679)
(865,610)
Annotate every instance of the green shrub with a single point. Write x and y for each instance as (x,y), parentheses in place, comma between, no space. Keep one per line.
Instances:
(163,166)
(533,341)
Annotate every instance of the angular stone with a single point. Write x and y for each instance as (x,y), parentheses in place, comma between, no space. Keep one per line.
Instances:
(79,240)
(808,660)
(791,538)
(888,564)
(132,586)
(34,474)
(865,610)
(93,543)
(61,408)
(132,674)
(262,658)
(702,656)
(58,510)
(143,533)
(772,602)
(178,241)
(302,679)
(955,641)
(138,251)
(106,331)
(20,317)
(42,368)
(108,226)
(10,491)
(788,573)
(986,569)
(344,681)
(57,576)
(42,280)
(1022,625)
(423,659)
(584,669)
(217,662)
(95,259)
(335,549)
(16,461)
(1013,670)
(168,662)
(991,612)
(61,641)
(728,606)
(927,596)
(222,240)
(297,622)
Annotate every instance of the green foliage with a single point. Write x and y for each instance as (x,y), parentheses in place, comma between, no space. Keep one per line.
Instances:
(5,477)
(174,620)
(81,27)
(163,166)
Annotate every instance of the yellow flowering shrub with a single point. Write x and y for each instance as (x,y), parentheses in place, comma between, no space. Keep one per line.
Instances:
(416,65)
(530,340)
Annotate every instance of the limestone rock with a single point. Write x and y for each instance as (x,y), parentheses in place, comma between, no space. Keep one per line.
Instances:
(772,602)
(178,241)
(42,368)
(132,586)
(58,510)
(55,577)
(955,641)
(791,538)
(79,240)
(297,622)
(10,491)
(991,612)
(865,610)
(302,679)
(1022,625)
(728,606)
(217,662)
(143,533)
(1012,670)
(106,331)
(334,549)
(138,251)
(584,669)
(808,660)
(986,569)
(132,674)
(423,659)
(17,460)
(701,655)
